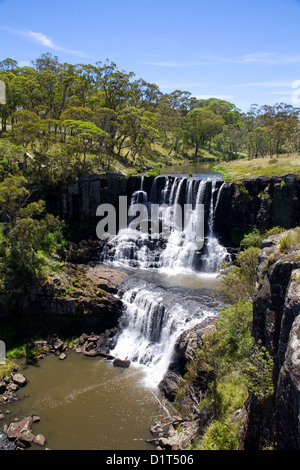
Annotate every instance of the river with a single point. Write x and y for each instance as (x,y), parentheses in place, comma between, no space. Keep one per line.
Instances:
(86,403)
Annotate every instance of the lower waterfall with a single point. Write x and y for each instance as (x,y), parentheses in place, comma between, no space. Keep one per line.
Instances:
(152,321)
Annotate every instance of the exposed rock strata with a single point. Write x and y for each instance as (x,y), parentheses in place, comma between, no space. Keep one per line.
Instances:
(276,323)
(263,201)
(79,298)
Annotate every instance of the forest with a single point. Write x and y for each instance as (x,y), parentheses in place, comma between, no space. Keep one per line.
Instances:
(62,120)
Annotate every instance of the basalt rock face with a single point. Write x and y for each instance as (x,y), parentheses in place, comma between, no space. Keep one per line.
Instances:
(184,352)
(78,201)
(263,201)
(78,298)
(276,323)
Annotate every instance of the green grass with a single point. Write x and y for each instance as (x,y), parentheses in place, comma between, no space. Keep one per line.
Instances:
(243,168)
(7,368)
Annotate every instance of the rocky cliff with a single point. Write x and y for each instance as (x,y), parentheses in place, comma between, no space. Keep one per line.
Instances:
(78,298)
(264,201)
(276,323)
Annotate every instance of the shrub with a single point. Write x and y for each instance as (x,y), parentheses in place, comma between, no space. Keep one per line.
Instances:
(273,231)
(252,239)
(220,435)
(238,280)
(153,173)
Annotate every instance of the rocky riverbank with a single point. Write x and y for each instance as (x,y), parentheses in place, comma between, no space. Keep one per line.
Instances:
(18,434)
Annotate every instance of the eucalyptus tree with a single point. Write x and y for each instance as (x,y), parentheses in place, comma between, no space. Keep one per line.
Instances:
(85,136)
(114,84)
(201,126)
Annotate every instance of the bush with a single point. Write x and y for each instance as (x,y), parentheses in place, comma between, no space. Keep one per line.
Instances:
(252,239)
(238,280)
(220,435)
(153,173)
(273,231)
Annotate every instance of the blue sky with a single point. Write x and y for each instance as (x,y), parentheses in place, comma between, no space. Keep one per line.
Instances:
(243,51)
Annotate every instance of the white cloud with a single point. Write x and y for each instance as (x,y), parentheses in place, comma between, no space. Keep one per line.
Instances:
(272,58)
(42,39)
(45,41)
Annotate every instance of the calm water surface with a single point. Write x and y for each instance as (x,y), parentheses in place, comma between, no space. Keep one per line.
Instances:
(88,404)
(204,169)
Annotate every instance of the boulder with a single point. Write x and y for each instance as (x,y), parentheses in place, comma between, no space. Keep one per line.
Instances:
(188,342)
(40,440)
(169,385)
(2,387)
(19,379)
(57,344)
(21,431)
(121,363)
(82,339)
(90,353)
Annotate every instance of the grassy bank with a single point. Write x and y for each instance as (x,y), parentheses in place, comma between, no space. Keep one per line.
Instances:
(243,168)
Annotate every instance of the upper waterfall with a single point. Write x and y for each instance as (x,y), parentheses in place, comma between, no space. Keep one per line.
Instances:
(181,250)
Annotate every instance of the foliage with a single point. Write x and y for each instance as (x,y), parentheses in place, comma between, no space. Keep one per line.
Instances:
(258,370)
(72,119)
(252,239)
(220,435)
(290,239)
(153,173)
(238,279)
(7,368)
(233,366)
(29,237)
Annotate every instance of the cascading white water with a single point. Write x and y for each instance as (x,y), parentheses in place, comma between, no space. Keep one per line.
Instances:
(154,319)
(151,325)
(215,252)
(180,251)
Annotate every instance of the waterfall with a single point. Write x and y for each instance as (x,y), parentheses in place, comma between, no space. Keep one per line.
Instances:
(215,253)
(181,250)
(151,323)
(154,317)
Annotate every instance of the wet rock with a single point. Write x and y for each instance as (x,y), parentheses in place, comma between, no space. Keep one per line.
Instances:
(2,386)
(40,440)
(13,387)
(57,344)
(107,341)
(82,339)
(90,353)
(21,431)
(121,363)
(169,385)
(62,356)
(19,379)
